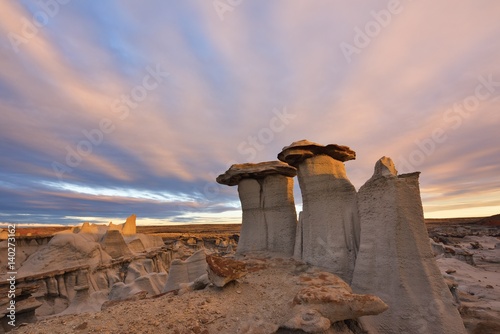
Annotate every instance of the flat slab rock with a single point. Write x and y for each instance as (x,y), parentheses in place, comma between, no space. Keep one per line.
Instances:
(224,270)
(298,151)
(255,171)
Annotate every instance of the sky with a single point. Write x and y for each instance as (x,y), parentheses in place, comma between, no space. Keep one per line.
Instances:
(110,108)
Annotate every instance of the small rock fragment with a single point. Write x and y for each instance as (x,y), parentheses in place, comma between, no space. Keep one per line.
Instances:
(309,321)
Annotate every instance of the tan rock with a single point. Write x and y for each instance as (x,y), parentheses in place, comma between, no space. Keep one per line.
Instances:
(129,227)
(223,270)
(329,295)
(309,321)
(88,228)
(328,230)
(186,271)
(66,251)
(395,260)
(112,226)
(114,244)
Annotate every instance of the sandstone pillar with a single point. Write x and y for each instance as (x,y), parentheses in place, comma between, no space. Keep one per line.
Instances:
(395,259)
(329,221)
(266,194)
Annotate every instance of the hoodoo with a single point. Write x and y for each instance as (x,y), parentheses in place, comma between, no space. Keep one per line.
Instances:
(266,194)
(328,230)
(395,260)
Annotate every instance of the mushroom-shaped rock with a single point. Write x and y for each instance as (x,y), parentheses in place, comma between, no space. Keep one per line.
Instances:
(395,259)
(300,150)
(255,171)
(266,194)
(328,232)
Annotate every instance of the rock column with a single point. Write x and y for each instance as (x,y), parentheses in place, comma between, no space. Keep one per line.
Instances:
(395,259)
(266,194)
(328,233)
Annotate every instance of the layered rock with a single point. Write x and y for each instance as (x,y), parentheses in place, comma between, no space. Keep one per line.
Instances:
(395,259)
(75,270)
(326,299)
(223,270)
(66,251)
(114,244)
(266,194)
(328,232)
(186,271)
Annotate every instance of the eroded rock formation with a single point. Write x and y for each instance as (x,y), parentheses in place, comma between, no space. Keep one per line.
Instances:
(186,271)
(75,270)
(395,260)
(326,299)
(328,231)
(222,270)
(266,194)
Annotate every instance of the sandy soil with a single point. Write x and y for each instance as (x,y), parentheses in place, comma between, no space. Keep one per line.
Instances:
(253,304)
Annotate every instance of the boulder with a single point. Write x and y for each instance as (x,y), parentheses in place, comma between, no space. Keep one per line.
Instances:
(395,259)
(328,231)
(309,321)
(266,194)
(329,295)
(186,271)
(223,270)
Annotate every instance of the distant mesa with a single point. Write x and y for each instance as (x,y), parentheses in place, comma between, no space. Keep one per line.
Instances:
(490,221)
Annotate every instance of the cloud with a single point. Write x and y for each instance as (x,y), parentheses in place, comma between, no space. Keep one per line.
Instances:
(226,81)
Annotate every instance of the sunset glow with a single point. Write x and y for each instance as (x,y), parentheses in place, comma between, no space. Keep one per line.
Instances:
(117,107)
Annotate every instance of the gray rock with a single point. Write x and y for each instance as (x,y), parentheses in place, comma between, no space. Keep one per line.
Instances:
(329,221)
(186,271)
(395,260)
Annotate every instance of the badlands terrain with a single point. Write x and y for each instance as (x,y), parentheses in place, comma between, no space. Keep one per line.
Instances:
(247,304)
(352,261)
